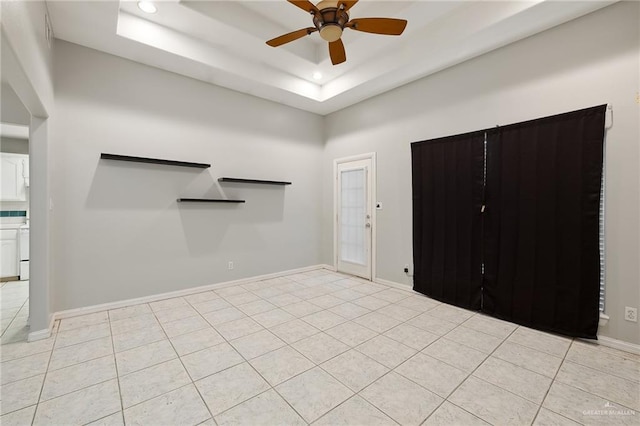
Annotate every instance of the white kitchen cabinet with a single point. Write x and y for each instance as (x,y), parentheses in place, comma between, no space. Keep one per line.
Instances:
(14,171)
(9,253)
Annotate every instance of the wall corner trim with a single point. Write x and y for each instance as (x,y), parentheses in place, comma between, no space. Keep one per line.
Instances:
(44,333)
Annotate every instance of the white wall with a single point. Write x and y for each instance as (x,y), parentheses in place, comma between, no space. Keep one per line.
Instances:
(586,62)
(118,230)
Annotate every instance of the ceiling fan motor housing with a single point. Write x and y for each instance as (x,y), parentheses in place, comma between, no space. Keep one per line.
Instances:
(331,20)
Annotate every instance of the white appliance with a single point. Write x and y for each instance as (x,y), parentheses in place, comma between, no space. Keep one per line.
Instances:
(23,236)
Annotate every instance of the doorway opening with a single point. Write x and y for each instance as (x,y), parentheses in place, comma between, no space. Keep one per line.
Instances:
(14,216)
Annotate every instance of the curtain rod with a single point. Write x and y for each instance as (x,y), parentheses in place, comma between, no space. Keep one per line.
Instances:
(608,123)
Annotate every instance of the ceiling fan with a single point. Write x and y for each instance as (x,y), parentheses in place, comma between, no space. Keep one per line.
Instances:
(330,18)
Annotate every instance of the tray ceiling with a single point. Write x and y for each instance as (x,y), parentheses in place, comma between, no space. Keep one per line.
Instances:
(223,42)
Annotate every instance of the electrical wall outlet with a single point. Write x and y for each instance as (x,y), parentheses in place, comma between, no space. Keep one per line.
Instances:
(631,314)
(230,266)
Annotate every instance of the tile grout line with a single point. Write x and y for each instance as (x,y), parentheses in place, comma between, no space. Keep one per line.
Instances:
(323,361)
(552,382)
(467,377)
(115,362)
(44,379)
(420,352)
(104,417)
(290,378)
(330,293)
(393,370)
(13,319)
(287,344)
(182,364)
(355,348)
(577,388)
(27,377)
(605,372)
(271,387)
(247,362)
(587,367)
(386,373)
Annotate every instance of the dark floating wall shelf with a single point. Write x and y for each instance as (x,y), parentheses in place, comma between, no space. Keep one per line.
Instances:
(257,181)
(208,200)
(116,157)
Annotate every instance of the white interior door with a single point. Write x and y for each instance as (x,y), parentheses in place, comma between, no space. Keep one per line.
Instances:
(354,221)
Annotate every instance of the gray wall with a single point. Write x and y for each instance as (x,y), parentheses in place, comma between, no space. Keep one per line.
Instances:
(14,146)
(119,232)
(586,62)
(12,110)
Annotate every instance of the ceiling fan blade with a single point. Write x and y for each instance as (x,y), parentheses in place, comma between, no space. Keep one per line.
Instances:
(337,53)
(286,38)
(348,4)
(305,5)
(386,26)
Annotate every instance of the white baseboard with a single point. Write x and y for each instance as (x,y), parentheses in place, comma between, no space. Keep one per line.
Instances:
(394,284)
(178,293)
(45,333)
(619,344)
(42,334)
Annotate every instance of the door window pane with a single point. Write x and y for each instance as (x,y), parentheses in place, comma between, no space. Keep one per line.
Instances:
(352,216)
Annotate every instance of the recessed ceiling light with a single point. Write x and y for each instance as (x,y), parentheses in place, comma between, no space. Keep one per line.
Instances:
(317,75)
(147,6)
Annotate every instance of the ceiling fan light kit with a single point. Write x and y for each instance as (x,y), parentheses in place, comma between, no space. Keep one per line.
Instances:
(330,18)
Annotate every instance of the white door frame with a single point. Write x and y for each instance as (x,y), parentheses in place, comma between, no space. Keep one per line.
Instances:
(372,201)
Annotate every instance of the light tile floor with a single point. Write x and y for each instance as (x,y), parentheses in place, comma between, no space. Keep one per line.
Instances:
(14,300)
(315,347)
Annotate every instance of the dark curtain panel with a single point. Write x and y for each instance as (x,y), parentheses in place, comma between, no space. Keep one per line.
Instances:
(541,222)
(447,197)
